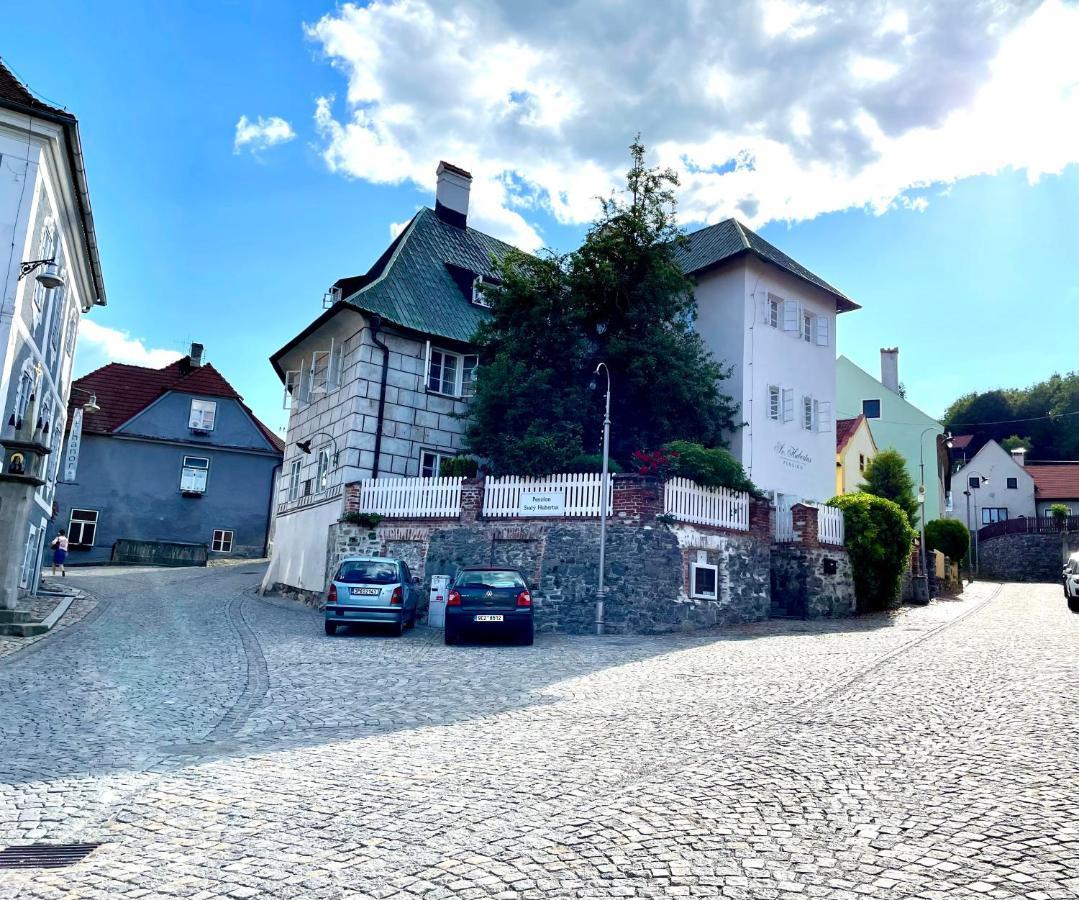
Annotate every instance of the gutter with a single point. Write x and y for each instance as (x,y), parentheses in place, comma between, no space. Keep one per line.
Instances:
(82,190)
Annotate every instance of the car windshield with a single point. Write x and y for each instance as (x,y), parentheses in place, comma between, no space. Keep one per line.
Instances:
(500,579)
(365,571)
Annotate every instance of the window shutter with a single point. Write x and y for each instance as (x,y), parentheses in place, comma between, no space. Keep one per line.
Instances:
(333,375)
(788,404)
(426,368)
(822,331)
(304,382)
(292,379)
(792,315)
(824,415)
(766,309)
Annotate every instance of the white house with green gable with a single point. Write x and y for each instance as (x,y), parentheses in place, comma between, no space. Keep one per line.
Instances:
(897,424)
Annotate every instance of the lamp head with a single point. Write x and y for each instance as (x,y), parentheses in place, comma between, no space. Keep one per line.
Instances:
(50,276)
(91,405)
(305,446)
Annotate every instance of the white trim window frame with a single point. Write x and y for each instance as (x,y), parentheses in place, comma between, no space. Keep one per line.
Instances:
(47,250)
(775,403)
(322,473)
(294,480)
(72,332)
(80,521)
(446,373)
(194,475)
(431,462)
(809,413)
(57,318)
(710,589)
(292,380)
(788,404)
(222,540)
(479,293)
(808,328)
(772,310)
(203,415)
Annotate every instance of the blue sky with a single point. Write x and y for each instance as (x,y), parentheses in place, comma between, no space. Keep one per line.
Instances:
(974,276)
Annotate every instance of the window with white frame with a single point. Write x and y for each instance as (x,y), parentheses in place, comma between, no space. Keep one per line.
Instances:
(294,480)
(430,461)
(322,475)
(771,311)
(822,415)
(57,318)
(449,373)
(47,251)
(222,541)
(788,404)
(203,415)
(82,527)
(479,293)
(72,332)
(775,405)
(991,514)
(808,417)
(27,571)
(292,380)
(1012,484)
(24,391)
(325,370)
(193,474)
(807,326)
(703,581)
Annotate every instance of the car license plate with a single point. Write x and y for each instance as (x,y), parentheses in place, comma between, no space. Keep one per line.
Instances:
(365,592)
(488,619)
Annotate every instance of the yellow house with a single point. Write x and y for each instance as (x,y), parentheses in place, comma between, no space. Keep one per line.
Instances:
(854,448)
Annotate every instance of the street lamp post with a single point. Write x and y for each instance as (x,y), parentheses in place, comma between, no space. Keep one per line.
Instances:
(921,491)
(972,523)
(603,499)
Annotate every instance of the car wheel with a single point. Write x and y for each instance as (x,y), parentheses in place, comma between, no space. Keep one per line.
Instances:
(331,628)
(412,620)
(1073,604)
(528,636)
(399,626)
(451,635)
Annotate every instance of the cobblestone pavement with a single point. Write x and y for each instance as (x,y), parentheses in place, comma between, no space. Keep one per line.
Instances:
(220,746)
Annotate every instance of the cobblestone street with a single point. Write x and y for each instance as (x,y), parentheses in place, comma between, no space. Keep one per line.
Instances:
(218,744)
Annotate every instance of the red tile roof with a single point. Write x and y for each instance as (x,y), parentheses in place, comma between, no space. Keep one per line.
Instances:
(1055,481)
(962,441)
(123,391)
(844,431)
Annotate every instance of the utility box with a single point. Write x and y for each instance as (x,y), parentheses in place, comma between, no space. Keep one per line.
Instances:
(436,603)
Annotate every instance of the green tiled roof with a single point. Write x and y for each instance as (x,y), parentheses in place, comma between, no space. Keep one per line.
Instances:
(725,240)
(414,288)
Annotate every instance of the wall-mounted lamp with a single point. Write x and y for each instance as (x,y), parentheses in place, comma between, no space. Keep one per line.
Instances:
(305,446)
(50,276)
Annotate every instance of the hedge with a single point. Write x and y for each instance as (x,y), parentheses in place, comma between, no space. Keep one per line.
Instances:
(878,539)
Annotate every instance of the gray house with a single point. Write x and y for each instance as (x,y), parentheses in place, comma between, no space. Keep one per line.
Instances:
(171,455)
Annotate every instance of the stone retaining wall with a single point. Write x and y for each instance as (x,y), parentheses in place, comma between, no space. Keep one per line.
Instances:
(1025,557)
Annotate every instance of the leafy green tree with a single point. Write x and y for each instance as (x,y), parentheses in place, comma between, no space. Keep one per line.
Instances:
(1015,443)
(878,539)
(887,476)
(621,299)
(1058,511)
(950,536)
(708,467)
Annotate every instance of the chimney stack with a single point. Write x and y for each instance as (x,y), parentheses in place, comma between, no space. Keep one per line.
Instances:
(889,368)
(196,355)
(1019,454)
(451,195)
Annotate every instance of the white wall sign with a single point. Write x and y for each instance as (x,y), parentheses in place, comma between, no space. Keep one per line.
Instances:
(542,503)
(74,441)
(792,457)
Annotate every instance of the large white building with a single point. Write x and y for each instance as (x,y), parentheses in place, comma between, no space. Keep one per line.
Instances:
(378,383)
(45,218)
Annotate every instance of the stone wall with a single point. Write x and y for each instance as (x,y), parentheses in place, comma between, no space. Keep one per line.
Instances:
(1025,557)
(812,582)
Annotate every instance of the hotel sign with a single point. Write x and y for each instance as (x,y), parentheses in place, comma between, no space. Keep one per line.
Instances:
(792,457)
(74,442)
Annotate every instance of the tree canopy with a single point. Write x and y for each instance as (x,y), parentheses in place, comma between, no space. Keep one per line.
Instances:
(886,476)
(1037,415)
(620,299)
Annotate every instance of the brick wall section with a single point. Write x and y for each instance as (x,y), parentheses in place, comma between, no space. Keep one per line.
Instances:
(471,499)
(806,526)
(760,519)
(352,497)
(636,497)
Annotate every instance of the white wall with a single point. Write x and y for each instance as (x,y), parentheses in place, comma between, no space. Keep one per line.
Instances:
(996,464)
(778,456)
(300,546)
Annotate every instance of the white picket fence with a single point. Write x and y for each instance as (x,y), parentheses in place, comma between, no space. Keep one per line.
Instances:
(581,492)
(418,498)
(689,502)
(784,530)
(830,524)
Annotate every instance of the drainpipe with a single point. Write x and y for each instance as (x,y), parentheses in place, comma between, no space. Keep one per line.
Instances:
(376,326)
(274,487)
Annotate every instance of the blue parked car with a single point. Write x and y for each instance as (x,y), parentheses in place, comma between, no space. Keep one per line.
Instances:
(372,589)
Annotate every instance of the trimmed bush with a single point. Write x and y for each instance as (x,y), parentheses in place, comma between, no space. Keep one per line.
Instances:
(592,463)
(708,466)
(1059,512)
(878,539)
(458,467)
(949,536)
(367,520)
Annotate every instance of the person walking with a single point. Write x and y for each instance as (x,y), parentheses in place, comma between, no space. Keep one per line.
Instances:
(59,552)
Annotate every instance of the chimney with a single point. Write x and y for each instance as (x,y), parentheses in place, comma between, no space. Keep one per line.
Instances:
(451,195)
(889,368)
(1019,454)
(196,355)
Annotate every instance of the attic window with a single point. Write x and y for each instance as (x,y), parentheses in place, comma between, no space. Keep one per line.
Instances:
(203,414)
(480,296)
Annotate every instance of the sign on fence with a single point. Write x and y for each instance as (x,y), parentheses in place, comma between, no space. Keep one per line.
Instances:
(542,503)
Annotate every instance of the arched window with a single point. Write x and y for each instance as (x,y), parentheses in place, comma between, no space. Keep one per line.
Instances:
(322,479)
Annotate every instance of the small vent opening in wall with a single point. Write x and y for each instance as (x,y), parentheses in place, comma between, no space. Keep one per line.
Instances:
(44,856)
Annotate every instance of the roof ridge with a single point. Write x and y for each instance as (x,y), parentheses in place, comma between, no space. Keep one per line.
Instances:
(404,236)
(741,232)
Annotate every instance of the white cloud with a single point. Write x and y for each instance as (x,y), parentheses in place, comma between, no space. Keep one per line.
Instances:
(261,134)
(770,110)
(101,345)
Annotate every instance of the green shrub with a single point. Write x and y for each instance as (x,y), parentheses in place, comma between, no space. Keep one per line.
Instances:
(367,520)
(949,536)
(1059,512)
(458,467)
(708,466)
(591,462)
(886,476)
(878,539)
